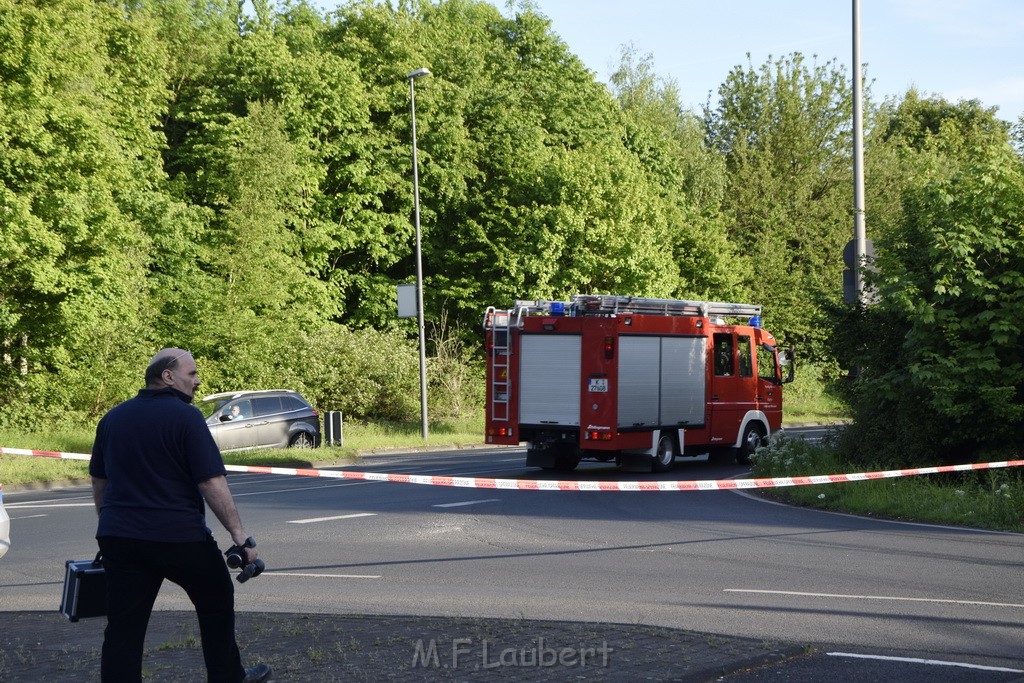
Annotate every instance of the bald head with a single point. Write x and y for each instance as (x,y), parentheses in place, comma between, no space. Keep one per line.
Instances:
(165,359)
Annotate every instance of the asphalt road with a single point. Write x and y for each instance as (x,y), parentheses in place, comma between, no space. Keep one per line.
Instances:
(718,562)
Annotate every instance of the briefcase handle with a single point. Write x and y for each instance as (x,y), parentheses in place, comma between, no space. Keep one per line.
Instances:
(97,562)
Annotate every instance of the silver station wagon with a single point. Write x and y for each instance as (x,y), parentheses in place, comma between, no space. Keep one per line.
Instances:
(275,418)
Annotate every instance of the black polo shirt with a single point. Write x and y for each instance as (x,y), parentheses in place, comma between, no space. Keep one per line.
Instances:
(153,450)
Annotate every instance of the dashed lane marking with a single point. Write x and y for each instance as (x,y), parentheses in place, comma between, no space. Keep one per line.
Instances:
(893,598)
(35,506)
(303,488)
(929,662)
(466,502)
(325,576)
(330,519)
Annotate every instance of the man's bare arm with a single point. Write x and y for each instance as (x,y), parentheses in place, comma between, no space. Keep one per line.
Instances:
(218,496)
(98,487)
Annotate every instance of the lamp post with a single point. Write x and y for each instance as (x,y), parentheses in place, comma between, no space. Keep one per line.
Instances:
(859,233)
(419,253)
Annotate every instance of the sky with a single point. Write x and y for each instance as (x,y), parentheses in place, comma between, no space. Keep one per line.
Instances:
(959,49)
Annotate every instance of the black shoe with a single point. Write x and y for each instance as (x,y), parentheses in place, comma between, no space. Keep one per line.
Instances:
(257,674)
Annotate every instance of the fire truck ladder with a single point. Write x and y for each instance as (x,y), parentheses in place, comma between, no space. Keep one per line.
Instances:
(601,304)
(500,324)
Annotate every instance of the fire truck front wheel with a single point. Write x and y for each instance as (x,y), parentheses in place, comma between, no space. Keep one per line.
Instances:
(665,457)
(752,438)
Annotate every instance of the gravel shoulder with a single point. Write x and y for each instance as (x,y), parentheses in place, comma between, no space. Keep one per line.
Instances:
(43,646)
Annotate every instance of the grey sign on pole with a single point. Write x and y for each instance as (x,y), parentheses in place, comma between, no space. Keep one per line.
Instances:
(406,301)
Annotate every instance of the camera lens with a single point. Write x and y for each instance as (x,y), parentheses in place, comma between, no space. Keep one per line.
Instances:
(234,559)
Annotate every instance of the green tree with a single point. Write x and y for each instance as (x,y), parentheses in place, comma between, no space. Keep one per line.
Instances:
(785,132)
(669,141)
(940,353)
(81,85)
(526,187)
(916,140)
(260,131)
(259,292)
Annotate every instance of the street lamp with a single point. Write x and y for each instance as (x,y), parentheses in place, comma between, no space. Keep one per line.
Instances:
(859,233)
(419,253)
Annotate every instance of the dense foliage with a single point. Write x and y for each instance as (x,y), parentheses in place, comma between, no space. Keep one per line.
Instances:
(941,352)
(179,172)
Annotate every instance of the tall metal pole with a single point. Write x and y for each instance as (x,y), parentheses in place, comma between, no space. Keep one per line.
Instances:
(859,236)
(419,255)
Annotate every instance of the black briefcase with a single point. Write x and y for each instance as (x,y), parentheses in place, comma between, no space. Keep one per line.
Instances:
(85,590)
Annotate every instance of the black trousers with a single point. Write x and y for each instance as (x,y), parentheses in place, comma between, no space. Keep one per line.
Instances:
(135,570)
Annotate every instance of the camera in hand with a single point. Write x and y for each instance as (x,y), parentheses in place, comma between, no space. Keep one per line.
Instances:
(236,558)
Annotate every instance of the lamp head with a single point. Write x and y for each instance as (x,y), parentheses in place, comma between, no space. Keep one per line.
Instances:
(419,72)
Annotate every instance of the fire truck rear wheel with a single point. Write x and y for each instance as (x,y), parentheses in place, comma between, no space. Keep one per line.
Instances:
(557,458)
(752,438)
(665,458)
(566,462)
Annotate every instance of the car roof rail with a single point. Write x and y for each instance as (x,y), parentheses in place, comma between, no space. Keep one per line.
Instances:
(249,392)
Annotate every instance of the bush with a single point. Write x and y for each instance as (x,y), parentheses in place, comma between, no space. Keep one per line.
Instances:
(939,355)
(455,375)
(366,374)
(785,456)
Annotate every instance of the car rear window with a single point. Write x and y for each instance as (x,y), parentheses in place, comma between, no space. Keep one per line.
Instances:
(291,403)
(267,405)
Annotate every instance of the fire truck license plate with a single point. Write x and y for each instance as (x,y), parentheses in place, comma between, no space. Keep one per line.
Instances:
(598,386)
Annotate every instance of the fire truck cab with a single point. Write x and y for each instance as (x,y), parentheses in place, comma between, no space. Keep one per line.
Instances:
(632,380)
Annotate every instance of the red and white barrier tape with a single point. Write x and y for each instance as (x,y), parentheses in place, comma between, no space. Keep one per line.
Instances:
(555,485)
(46,454)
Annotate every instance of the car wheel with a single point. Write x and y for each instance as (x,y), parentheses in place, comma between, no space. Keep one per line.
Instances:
(665,457)
(752,438)
(301,440)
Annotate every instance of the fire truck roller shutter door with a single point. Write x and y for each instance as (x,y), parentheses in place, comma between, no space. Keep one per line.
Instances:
(639,379)
(550,379)
(683,363)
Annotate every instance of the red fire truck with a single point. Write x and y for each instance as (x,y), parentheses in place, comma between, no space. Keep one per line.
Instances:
(635,380)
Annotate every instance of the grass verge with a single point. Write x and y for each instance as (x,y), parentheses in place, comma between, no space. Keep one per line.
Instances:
(359,438)
(986,499)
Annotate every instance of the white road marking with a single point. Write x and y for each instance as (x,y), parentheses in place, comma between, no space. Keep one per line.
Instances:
(930,662)
(467,502)
(473,473)
(324,576)
(31,506)
(306,488)
(328,519)
(877,597)
(28,517)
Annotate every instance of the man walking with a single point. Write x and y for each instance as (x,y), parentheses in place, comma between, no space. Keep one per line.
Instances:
(153,464)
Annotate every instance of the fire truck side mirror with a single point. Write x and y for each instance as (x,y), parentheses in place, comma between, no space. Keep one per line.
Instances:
(787,358)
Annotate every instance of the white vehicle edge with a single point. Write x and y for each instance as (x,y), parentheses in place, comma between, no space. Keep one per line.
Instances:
(5,526)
